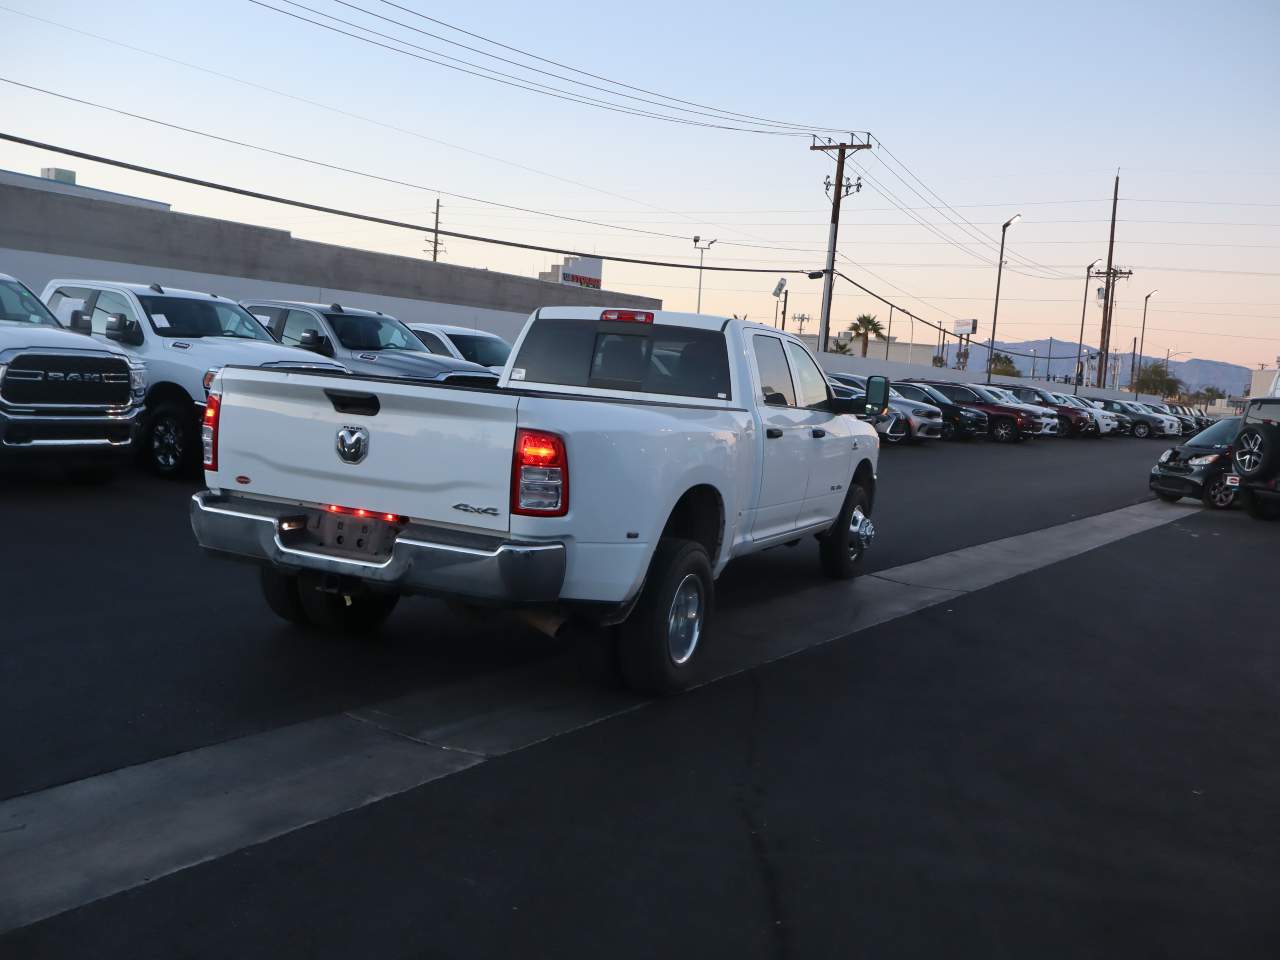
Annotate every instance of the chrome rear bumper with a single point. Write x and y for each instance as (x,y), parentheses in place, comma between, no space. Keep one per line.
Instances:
(422,560)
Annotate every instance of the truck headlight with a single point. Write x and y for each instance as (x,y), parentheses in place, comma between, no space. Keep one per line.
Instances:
(137,380)
(919,412)
(1205,460)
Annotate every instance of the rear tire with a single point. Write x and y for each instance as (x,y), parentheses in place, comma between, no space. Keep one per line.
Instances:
(1261,509)
(280,590)
(842,548)
(660,643)
(359,613)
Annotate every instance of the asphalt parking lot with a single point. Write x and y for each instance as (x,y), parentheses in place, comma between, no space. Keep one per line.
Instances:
(1046,721)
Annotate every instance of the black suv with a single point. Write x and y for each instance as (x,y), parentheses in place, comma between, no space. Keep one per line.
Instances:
(1255,458)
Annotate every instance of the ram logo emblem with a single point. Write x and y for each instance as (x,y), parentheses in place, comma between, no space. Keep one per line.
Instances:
(352,444)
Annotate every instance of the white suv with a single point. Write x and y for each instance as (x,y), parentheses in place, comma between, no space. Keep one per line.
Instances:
(181,336)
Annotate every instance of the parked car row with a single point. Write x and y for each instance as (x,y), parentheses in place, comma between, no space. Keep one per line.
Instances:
(92,371)
(921,409)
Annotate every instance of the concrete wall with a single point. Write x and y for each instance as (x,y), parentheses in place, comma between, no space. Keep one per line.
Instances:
(46,234)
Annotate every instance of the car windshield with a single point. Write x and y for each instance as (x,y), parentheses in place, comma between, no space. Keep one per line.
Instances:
(478,348)
(932,394)
(190,318)
(20,305)
(1218,435)
(372,333)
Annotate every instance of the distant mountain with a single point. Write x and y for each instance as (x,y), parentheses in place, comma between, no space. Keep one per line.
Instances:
(1196,374)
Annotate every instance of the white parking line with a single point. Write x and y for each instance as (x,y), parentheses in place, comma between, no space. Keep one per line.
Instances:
(69,845)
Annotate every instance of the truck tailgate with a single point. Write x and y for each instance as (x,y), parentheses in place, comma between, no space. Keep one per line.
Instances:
(434,453)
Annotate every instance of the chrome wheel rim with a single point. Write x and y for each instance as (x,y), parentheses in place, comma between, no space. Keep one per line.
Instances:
(684,620)
(166,443)
(1249,455)
(1141,430)
(1003,431)
(862,531)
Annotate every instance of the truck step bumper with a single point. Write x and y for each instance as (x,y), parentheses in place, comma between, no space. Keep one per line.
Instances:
(422,559)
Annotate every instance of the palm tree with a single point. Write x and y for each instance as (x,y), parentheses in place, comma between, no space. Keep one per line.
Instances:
(866,327)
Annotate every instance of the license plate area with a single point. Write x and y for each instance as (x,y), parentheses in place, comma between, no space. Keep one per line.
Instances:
(367,537)
(1231,480)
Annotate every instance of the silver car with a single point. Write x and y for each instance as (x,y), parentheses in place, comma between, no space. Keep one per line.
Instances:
(920,420)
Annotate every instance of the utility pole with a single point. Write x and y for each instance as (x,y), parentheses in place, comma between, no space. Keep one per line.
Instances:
(702,251)
(1084,308)
(784,308)
(801,319)
(1133,367)
(1048,363)
(888,335)
(1104,343)
(435,237)
(1142,344)
(839,189)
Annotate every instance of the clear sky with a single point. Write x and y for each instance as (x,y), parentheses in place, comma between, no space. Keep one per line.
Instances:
(999,108)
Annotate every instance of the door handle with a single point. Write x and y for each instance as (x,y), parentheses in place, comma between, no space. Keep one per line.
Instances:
(773,433)
(817,433)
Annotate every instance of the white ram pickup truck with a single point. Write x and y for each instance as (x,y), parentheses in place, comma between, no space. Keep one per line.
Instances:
(623,459)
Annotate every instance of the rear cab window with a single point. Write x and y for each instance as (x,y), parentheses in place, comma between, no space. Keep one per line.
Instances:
(623,356)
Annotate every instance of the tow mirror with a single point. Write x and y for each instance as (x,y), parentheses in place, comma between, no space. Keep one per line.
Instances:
(313,340)
(877,400)
(80,323)
(123,330)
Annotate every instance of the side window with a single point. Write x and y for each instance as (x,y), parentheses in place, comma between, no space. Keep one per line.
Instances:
(110,303)
(267,316)
(432,343)
(296,323)
(775,377)
(813,385)
(66,299)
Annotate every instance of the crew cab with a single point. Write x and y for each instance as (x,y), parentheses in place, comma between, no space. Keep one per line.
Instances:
(63,397)
(363,341)
(463,343)
(624,459)
(180,336)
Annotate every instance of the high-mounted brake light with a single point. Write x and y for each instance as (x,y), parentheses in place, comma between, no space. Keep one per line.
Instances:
(539,475)
(628,316)
(362,512)
(209,430)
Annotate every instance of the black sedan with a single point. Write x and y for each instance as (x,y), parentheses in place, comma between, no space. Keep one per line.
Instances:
(1198,468)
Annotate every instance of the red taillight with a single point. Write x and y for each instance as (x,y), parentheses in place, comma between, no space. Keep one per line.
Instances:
(209,430)
(539,475)
(628,316)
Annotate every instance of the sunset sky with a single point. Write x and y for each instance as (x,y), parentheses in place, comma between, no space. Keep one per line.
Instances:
(998,110)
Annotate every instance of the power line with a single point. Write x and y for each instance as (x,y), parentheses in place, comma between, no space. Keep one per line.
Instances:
(594,76)
(498,76)
(685,217)
(974,230)
(336,211)
(712,112)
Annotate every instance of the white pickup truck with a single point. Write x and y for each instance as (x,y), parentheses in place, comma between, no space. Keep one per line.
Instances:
(623,459)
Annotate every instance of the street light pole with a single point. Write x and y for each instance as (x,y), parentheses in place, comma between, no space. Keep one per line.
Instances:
(1084,308)
(1142,343)
(702,250)
(995,312)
